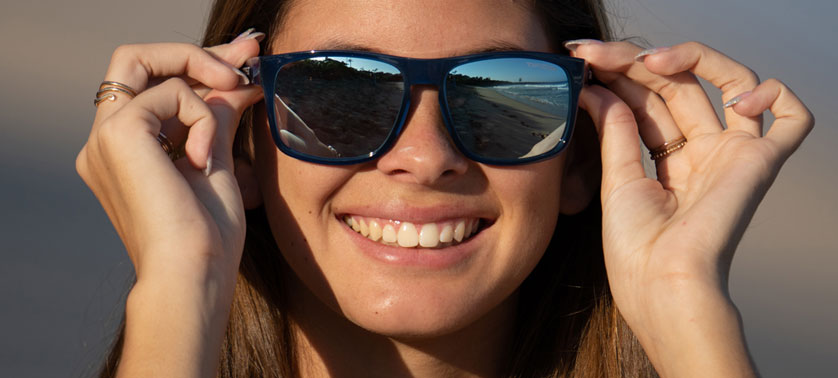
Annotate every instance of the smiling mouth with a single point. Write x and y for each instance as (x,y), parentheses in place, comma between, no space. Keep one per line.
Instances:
(413,235)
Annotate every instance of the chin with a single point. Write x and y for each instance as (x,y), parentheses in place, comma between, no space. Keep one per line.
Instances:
(427,315)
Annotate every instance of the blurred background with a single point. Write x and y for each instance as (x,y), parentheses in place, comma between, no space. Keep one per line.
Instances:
(63,270)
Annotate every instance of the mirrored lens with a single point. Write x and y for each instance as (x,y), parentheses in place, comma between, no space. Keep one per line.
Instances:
(337,106)
(509,108)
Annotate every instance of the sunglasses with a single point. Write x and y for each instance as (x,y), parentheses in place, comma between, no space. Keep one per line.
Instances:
(348,107)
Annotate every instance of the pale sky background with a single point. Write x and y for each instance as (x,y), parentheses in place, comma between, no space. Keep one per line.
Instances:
(63,269)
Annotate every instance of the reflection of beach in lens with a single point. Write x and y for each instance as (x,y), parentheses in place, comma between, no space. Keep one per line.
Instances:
(509,120)
(348,106)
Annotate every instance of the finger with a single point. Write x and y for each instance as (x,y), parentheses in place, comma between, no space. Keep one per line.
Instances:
(175,99)
(684,96)
(177,132)
(720,70)
(233,55)
(238,51)
(615,123)
(173,128)
(121,154)
(134,65)
(227,108)
(793,121)
(654,121)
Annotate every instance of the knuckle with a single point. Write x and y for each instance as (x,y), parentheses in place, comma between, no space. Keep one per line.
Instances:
(749,76)
(796,105)
(81,163)
(743,77)
(622,114)
(112,133)
(194,49)
(738,78)
(808,118)
(753,74)
(694,45)
(175,84)
(123,52)
(194,52)
(776,83)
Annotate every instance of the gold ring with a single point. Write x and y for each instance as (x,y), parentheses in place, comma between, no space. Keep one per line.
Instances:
(667,148)
(109,89)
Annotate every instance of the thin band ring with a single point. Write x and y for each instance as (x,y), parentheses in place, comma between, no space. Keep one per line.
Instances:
(667,148)
(117,84)
(114,89)
(109,89)
(167,145)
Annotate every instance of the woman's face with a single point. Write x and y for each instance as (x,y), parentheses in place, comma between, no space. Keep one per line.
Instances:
(422,183)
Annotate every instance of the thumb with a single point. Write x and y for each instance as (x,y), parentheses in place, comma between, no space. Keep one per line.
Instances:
(617,128)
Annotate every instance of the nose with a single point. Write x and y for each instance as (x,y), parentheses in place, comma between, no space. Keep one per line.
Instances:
(424,153)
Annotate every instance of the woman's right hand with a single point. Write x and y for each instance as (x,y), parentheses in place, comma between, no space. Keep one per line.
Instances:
(182,222)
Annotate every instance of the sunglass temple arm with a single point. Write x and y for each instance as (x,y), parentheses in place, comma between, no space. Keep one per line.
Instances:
(251,70)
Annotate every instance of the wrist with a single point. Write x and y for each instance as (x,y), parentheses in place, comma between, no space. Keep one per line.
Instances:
(175,327)
(693,329)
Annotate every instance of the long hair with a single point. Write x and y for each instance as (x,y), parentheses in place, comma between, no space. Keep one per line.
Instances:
(566,323)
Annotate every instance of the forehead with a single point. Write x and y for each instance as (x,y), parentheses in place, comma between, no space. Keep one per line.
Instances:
(419,29)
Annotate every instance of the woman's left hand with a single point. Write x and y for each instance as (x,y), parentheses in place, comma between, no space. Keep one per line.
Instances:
(669,241)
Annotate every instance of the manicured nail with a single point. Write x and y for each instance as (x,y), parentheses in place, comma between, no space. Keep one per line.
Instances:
(208,168)
(736,99)
(243,80)
(643,54)
(573,44)
(258,36)
(243,35)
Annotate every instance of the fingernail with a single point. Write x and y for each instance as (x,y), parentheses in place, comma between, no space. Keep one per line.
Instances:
(643,54)
(736,99)
(573,44)
(208,168)
(243,35)
(243,80)
(258,36)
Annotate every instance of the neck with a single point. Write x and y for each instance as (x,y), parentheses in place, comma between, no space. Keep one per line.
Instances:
(329,345)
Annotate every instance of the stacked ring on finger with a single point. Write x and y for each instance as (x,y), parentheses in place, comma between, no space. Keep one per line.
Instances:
(169,147)
(108,90)
(166,144)
(667,148)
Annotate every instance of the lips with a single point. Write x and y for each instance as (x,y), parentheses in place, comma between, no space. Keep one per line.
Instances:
(407,234)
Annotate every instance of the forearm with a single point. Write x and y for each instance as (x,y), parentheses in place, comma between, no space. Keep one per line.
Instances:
(175,327)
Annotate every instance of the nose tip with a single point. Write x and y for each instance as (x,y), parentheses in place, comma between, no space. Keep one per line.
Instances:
(424,152)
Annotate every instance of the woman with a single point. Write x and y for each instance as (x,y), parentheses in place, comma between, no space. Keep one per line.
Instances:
(520,289)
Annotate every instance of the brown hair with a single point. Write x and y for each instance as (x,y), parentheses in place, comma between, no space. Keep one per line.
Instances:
(567,324)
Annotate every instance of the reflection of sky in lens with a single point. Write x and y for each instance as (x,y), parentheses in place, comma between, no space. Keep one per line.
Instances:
(506,69)
(362,64)
(514,70)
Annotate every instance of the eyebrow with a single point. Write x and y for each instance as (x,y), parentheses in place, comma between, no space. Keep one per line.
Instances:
(491,46)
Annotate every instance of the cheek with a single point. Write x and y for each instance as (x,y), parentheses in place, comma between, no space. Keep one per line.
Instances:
(296,197)
(530,204)
(304,188)
(530,194)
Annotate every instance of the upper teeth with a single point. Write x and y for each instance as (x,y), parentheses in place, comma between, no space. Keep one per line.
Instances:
(407,234)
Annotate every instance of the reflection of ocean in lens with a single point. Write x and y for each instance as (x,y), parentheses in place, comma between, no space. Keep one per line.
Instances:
(549,97)
(508,120)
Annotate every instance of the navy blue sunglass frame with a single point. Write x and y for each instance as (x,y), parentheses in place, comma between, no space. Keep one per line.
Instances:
(265,69)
